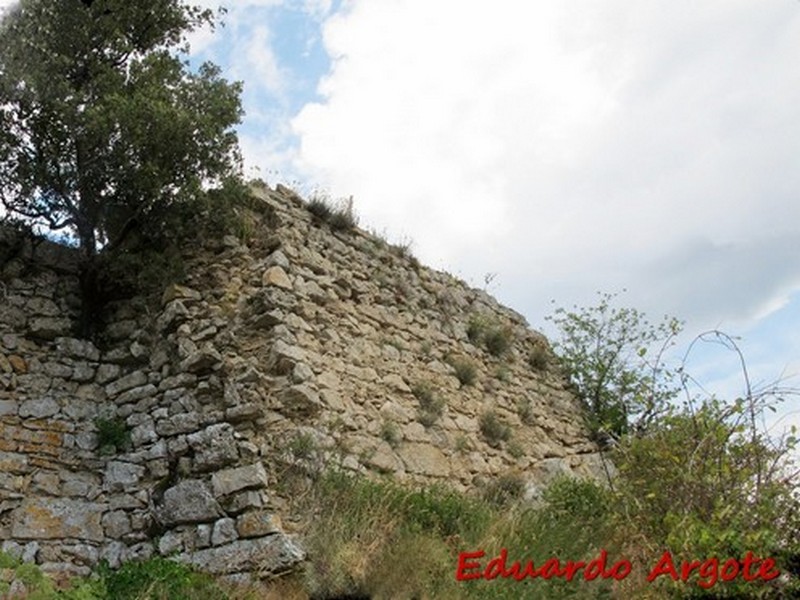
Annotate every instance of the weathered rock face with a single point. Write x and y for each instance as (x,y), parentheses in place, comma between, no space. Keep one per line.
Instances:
(305,346)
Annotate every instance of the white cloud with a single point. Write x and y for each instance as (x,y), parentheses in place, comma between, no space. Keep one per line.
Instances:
(5,4)
(573,146)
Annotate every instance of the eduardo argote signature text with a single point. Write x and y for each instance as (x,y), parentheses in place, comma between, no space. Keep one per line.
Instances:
(708,571)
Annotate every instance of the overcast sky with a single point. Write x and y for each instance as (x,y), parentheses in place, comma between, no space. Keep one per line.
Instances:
(553,149)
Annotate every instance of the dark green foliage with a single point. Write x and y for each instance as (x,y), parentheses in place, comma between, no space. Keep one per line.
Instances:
(103,125)
(577,499)
(113,435)
(338,218)
(525,411)
(475,329)
(320,209)
(105,133)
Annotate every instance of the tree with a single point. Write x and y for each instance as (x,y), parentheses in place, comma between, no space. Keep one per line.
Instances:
(103,127)
(613,357)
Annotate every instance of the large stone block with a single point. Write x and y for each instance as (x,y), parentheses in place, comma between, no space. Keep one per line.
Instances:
(233,480)
(425,459)
(188,502)
(57,518)
(261,556)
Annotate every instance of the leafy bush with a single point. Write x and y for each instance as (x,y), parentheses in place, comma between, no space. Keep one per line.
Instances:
(577,499)
(614,359)
(476,328)
(303,446)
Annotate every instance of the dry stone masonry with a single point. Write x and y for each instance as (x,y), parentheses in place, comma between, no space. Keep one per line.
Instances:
(304,348)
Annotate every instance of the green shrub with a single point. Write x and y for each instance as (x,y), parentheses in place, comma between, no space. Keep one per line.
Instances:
(338,218)
(113,435)
(303,446)
(502,373)
(390,433)
(613,357)
(515,449)
(505,489)
(426,348)
(537,357)
(320,209)
(577,498)
(525,411)
(494,428)
(476,328)
(431,404)
(495,337)
(343,219)
(498,340)
(160,579)
(465,370)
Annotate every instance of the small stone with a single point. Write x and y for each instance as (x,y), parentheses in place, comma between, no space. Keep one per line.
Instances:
(175,291)
(257,524)
(170,543)
(18,364)
(302,372)
(122,476)
(202,361)
(224,532)
(276,276)
(132,380)
(106,373)
(48,328)
(214,447)
(243,501)
(233,480)
(299,401)
(75,348)
(39,408)
(116,523)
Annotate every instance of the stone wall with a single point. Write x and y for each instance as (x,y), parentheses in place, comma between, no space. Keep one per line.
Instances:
(304,348)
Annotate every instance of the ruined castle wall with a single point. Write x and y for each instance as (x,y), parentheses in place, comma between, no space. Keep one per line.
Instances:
(303,348)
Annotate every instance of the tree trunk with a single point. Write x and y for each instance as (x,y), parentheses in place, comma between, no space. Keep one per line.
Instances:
(90,301)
